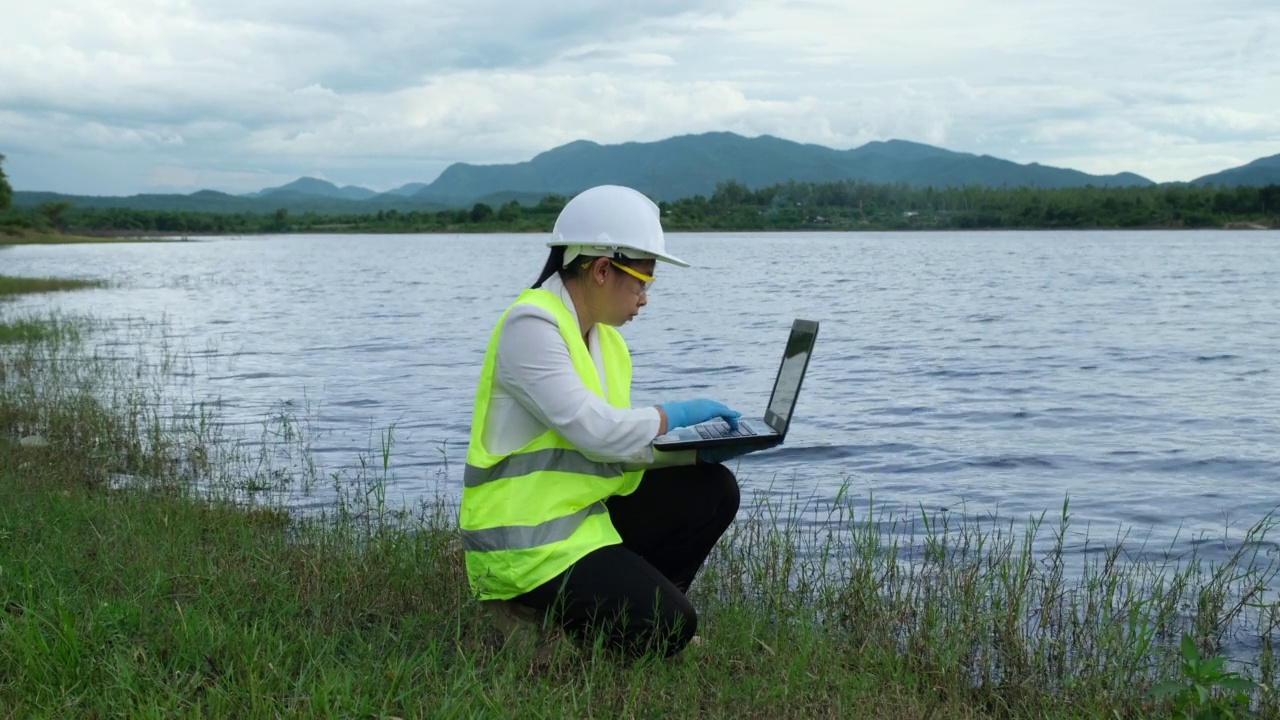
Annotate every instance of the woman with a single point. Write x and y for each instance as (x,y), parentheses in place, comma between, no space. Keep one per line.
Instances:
(568,512)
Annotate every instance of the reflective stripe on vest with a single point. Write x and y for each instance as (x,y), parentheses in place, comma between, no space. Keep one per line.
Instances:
(558,459)
(524,537)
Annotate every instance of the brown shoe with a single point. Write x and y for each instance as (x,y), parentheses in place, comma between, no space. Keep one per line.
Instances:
(522,627)
(512,617)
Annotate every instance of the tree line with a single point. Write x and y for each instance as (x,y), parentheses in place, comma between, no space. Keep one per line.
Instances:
(857,205)
(733,206)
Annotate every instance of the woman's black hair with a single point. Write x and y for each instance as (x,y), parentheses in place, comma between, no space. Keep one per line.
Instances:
(555,264)
(555,261)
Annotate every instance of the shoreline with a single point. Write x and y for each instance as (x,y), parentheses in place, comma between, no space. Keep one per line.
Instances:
(70,239)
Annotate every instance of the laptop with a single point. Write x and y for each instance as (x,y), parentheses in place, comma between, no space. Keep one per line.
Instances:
(771,428)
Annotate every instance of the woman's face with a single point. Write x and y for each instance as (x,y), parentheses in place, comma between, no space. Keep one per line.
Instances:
(622,294)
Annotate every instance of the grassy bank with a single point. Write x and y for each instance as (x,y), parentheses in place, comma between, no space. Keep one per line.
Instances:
(14,286)
(55,239)
(125,592)
(34,237)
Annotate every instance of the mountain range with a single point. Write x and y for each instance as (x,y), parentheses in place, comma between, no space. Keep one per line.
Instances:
(668,169)
(316,188)
(1263,171)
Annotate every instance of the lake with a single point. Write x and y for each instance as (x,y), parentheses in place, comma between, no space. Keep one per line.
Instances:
(986,373)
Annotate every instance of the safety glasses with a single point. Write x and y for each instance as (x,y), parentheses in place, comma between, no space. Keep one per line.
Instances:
(646,281)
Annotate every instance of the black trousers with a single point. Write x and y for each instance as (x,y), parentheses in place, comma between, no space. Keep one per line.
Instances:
(632,596)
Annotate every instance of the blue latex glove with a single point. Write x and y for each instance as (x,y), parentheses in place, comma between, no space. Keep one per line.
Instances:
(691,412)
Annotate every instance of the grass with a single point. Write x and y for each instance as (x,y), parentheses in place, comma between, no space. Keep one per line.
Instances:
(149,568)
(11,286)
(18,236)
(35,331)
(38,238)
(27,331)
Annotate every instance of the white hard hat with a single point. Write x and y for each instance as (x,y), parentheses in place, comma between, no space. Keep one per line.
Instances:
(610,219)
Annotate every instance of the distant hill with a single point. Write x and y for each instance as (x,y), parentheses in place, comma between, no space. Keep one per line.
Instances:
(693,165)
(1263,171)
(407,190)
(212,201)
(318,188)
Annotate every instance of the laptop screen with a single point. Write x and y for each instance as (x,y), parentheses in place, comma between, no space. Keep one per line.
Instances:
(795,360)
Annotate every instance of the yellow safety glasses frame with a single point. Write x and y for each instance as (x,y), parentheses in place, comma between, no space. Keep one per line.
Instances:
(646,281)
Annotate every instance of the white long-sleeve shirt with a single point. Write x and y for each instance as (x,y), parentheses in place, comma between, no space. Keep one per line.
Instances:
(536,387)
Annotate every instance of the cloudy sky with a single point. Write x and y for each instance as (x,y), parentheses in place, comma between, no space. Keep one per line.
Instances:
(125,96)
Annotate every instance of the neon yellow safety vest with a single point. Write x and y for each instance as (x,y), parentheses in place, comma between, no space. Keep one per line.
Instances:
(529,515)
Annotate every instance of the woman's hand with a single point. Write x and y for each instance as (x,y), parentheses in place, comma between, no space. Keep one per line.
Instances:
(691,412)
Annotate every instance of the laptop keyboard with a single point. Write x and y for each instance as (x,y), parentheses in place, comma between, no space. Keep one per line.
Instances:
(717,430)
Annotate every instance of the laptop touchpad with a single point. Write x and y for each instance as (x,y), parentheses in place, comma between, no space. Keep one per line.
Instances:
(679,435)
